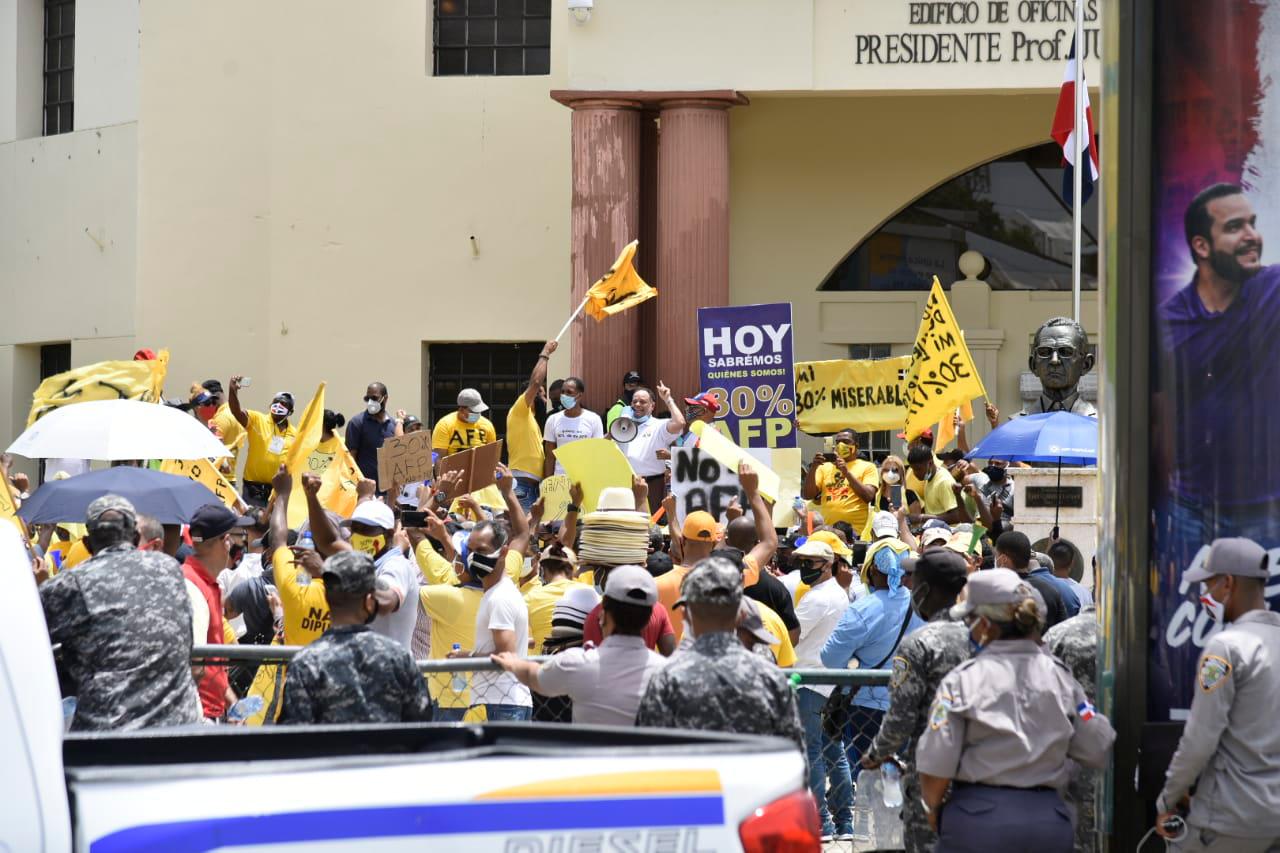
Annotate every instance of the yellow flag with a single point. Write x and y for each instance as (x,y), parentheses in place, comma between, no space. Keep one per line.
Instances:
(106,380)
(862,394)
(943,375)
(8,506)
(206,473)
(620,288)
(310,431)
(338,483)
(946,430)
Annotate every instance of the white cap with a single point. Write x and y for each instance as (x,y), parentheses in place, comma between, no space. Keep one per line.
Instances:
(375,514)
(814,548)
(884,524)
(935,534)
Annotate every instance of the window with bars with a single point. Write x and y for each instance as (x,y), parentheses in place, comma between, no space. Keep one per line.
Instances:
(492,37)
(59,65)
(877,445)
(498,371)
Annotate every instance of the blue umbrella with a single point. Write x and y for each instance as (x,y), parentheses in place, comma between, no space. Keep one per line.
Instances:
(168,498)
(1049,437)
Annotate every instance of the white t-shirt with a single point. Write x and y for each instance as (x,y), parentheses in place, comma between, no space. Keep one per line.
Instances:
(402,575)
(605,684)
(641,451)
(562,429)
(502,608)
(819,613)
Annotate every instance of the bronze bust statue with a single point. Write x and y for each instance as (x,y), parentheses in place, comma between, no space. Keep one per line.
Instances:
(1059,357)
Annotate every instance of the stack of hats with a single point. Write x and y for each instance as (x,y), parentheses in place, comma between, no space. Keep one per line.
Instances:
(569,616)
(615,534)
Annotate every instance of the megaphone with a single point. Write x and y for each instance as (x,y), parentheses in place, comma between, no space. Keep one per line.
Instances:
(623,430)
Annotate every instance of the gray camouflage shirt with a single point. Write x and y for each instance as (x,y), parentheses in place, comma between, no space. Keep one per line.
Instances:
(717,685)
(1075,643)
(923,660)
(124,621)
(352,675)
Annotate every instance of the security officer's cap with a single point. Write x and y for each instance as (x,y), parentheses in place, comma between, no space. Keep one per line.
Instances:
(1235,556)
(349,571)
(992,586)
(109,503)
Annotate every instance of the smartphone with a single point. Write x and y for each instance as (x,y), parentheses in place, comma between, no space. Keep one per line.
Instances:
(829,449)
(413,518)
(246,381)
(895,495)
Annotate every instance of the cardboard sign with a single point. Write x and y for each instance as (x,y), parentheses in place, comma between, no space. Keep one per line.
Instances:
(745,359)
(477,465)
(404,459)
(597,464)
(700,482)
(555,497)
(206,474)
(730,455)
(863,394)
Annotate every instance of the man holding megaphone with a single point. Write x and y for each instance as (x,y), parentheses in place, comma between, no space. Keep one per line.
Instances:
(641,436)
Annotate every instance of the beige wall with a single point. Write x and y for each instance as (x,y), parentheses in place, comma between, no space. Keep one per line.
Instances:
(308,195)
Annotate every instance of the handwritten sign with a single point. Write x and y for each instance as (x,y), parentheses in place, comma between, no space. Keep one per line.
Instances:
(942,375)
(404,459)
(555,497)
(862,394)
(731,455)
(477,466)
(700,482)
(206,474)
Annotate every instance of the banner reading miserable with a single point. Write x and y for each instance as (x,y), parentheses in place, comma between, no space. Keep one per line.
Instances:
(863,394)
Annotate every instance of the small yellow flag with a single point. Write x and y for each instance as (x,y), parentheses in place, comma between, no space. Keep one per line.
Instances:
(943,375)
(620,288)
(310,431)
(206,473)
(338,483)
(106,380)
(946,431)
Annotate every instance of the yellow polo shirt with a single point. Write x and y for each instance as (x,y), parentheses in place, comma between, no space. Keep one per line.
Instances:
(306,610)
(936,497)
(453,620)
(524,440)
(838,500)
(452,434)
(267,447)
(783,651)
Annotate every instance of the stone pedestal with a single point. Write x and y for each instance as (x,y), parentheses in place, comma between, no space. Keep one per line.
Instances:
(1077,524)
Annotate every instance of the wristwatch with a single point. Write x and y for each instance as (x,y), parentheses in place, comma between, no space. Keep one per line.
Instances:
(441,498)
(572,508)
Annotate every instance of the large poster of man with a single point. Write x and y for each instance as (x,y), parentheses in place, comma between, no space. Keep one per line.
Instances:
(1216,325)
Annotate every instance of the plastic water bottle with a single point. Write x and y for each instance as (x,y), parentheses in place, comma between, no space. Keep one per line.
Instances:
(862,807)
(458,681)
(244,709)
(891,785)
(305,541)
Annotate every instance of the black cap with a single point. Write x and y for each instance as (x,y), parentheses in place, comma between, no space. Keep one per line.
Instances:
(349,571)
(213,386)
(213,520)
(632,377)
(942,567)
(955,454)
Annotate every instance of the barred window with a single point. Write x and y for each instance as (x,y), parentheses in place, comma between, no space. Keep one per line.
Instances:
(497,37)
(499,372)
(59,65)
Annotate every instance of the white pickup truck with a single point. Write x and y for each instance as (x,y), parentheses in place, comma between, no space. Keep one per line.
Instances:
(516,788)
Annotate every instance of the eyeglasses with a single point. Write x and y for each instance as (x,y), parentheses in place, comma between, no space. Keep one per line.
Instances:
(369,399)
(1046,353)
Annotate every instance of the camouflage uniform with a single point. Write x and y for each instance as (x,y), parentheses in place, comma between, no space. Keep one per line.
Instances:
(923,659)
(124,621)
(1075,643)
(718,685)
(352,675)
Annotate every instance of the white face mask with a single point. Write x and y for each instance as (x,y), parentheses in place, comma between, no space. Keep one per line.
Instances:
(280,410)
(373,407)
(1217,609)
(890,477)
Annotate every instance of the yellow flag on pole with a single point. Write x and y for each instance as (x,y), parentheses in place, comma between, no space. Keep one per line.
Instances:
(310,431)
(206,473)
(620,288)
(946,431)
(943,375)
(105,380)
(338,483)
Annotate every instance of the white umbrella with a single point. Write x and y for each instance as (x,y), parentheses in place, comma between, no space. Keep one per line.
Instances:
(118,429)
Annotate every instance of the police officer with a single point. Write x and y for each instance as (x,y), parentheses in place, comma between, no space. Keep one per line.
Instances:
(1075,643)
(1005,727)
(717,685)
(923,659)
(350,674)
(124,621)
(1230,747)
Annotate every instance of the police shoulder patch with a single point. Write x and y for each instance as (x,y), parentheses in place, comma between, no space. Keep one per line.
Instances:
(901,669)
(1213,672)
(938,716)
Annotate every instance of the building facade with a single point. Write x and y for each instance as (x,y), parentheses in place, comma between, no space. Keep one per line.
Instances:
(419,192)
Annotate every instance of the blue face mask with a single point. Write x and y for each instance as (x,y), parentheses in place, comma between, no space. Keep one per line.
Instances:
(567,402)
(974,645)
(472,417)
(630,414)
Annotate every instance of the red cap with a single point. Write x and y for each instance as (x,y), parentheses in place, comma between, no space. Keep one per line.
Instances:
(706,400)
(144,355)
(927,433)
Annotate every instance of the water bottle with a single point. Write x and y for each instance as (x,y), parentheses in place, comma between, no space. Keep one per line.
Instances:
(891,785)
(862,807)
(305,541)
(458,681)
(244,709)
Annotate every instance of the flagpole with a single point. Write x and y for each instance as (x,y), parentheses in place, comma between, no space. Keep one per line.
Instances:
(1081,129)
(572,317)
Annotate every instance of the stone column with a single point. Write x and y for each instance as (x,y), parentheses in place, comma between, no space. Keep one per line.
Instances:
(605,216)
(693,229)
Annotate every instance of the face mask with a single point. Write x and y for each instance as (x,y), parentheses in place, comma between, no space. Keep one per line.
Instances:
(373,406)
(918,596)
(890,477)
(480,566)
(1217,609)
(810,573)
(630,414)
(280,410)
(206,412)
(567,402)
(974,645)
(994,473)
(844,451)
(371,545)
(472,417)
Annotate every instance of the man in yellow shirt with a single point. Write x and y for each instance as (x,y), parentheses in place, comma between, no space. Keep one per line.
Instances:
(466,428)
(213,411)
(845,485)
(296,573)
(524,439)
(269,439)
(937,492)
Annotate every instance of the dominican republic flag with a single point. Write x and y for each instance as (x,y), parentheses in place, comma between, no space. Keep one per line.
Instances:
(1085,712)
(1064,128)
